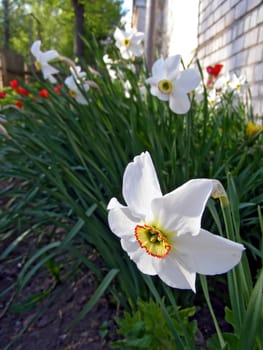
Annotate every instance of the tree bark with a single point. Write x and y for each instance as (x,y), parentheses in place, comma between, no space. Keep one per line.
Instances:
(79,28)
(6,32)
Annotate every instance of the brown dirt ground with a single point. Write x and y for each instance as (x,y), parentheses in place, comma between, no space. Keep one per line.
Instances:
(49,331)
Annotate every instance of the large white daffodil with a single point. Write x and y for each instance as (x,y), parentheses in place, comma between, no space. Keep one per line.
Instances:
(42,59)
(168,83)
(75,90)
(162,234)
(129,42)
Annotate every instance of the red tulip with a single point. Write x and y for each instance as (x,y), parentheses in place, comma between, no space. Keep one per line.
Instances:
(2,94)
(14,84)
(22,91)
(43,93)
(214,70)
(19,104)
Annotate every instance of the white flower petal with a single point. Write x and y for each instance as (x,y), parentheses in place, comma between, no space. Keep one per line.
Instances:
(125,53)
(180,211)
(49,55)
(140,184)
(70,83)
(179,101)
(208,254)
(153,81)
(77,73)
(143,260)
(35,48)
(137,50)
(81,99)
(172,66)
(137,37)
(52,79)
(122,222)
(114,203)
(156,92)
(174,274)
(118,34)
(119,44)
(48,70)
(158,67)
(188,80)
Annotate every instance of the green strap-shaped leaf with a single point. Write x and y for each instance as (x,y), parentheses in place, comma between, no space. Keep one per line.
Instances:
(249,328)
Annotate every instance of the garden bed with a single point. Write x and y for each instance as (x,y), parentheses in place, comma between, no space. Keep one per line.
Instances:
(46,325)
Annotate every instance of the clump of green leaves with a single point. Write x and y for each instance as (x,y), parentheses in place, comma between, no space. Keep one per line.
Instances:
(146,328)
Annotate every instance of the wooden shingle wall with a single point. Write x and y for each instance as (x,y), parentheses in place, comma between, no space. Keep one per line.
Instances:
(11,67)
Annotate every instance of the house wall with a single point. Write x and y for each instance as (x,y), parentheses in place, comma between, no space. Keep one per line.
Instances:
(231,32)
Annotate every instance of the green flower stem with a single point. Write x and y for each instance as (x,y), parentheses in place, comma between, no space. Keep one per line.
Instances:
(208,302)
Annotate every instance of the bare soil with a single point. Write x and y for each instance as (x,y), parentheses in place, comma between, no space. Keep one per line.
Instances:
(46,327)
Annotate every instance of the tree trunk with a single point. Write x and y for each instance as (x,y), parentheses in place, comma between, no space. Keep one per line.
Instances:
(150,32)
(6,33)
(79,29)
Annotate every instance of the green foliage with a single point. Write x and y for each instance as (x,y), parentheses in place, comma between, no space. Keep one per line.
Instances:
(146,327)
(245,288)
(63,163)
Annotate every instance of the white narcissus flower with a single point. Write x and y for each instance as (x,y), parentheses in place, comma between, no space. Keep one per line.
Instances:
(230,82)
(162,234)
(42,59)
(199,93)
(74,89)
(77,73)
(238,83)
(129,42)
(127,88)
(213,98)
(168,83)
(108,61)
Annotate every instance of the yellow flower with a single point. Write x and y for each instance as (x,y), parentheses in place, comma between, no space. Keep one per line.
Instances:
(252,129)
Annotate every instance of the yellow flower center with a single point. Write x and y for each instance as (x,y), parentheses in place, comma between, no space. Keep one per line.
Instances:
(38,65)
(152,240)
(126,42)
(165,86)
(72,93)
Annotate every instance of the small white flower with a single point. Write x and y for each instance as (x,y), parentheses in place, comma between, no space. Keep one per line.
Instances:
(162,234)
(213,98)
(74,89)
(129,42)
(199,93)
(108,61)
(42,59)
(238,83)
(230,82)
(143,91)
(127,88)
(77,73)
(168,83)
